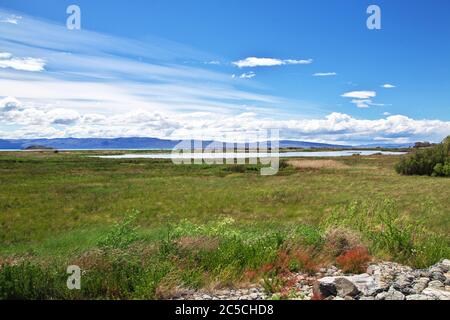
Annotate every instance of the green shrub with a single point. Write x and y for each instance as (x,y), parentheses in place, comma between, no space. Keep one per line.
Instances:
(431,161)
(442,170)
(122,234)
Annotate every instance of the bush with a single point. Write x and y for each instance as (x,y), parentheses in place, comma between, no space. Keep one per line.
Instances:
(354,260)
(442,170)
(338,240)
(431,161)
(122,234)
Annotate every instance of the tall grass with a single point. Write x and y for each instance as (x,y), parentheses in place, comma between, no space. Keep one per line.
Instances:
(390,235)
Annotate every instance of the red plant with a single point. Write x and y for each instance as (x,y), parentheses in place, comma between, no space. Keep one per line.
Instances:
(354,260)
(250,274)
(306,262)
(267,268)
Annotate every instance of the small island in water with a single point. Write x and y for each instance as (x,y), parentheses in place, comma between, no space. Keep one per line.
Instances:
(38,148)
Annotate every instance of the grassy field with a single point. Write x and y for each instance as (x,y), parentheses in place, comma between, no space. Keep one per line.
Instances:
(154,226)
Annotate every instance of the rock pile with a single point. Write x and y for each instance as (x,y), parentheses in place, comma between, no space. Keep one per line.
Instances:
(253,293)
(382,281)
(388,281)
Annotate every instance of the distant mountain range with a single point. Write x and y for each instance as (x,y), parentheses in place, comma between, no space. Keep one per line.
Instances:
(150,143)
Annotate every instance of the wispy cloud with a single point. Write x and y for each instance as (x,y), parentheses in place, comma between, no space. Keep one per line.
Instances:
(325,74)
(360,94)
(388,86)
(24,64)
(247,75)
(362,103)
(252,62)
(12,19)
(89,71)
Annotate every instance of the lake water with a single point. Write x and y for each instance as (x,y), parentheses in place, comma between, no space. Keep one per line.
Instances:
(294,154)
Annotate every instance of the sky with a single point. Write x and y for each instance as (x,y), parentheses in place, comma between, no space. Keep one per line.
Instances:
(181,69)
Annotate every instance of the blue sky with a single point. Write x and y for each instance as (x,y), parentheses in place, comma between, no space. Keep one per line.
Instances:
(181,69)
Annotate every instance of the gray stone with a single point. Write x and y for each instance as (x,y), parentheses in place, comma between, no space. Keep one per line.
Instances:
(335,286)
(436,284)
(438,276)
(381,296)
(392,294)
(419,285)
(418,297)
(368,285)
(367,298)
(437,293)
(345,287)
(445,265)
(425,274)
(325,287)
(402,282)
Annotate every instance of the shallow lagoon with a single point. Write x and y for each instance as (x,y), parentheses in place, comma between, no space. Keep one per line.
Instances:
(294,154)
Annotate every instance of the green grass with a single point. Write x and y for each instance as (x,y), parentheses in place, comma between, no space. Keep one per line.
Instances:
(198,225)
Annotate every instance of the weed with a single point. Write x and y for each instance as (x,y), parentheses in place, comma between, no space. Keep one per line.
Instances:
(354,260)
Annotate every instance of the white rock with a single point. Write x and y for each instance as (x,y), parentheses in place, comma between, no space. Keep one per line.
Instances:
(253,296)
(364,282)
(392,294)
(445,265)
(437,293)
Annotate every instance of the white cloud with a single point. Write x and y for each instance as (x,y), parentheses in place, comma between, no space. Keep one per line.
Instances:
(23,64)
(5,55)
(9,104)
(360,94)
(388,86)
(47,121)
(12,19)
(247,75)
(362,103)
(251,62)
(61,116)
(213,62)
(325,74)
(362,99)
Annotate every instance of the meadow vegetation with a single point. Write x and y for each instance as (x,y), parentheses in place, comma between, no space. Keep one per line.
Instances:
(143,229)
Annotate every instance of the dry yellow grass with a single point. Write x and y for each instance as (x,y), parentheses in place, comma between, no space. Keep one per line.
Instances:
(317,164)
